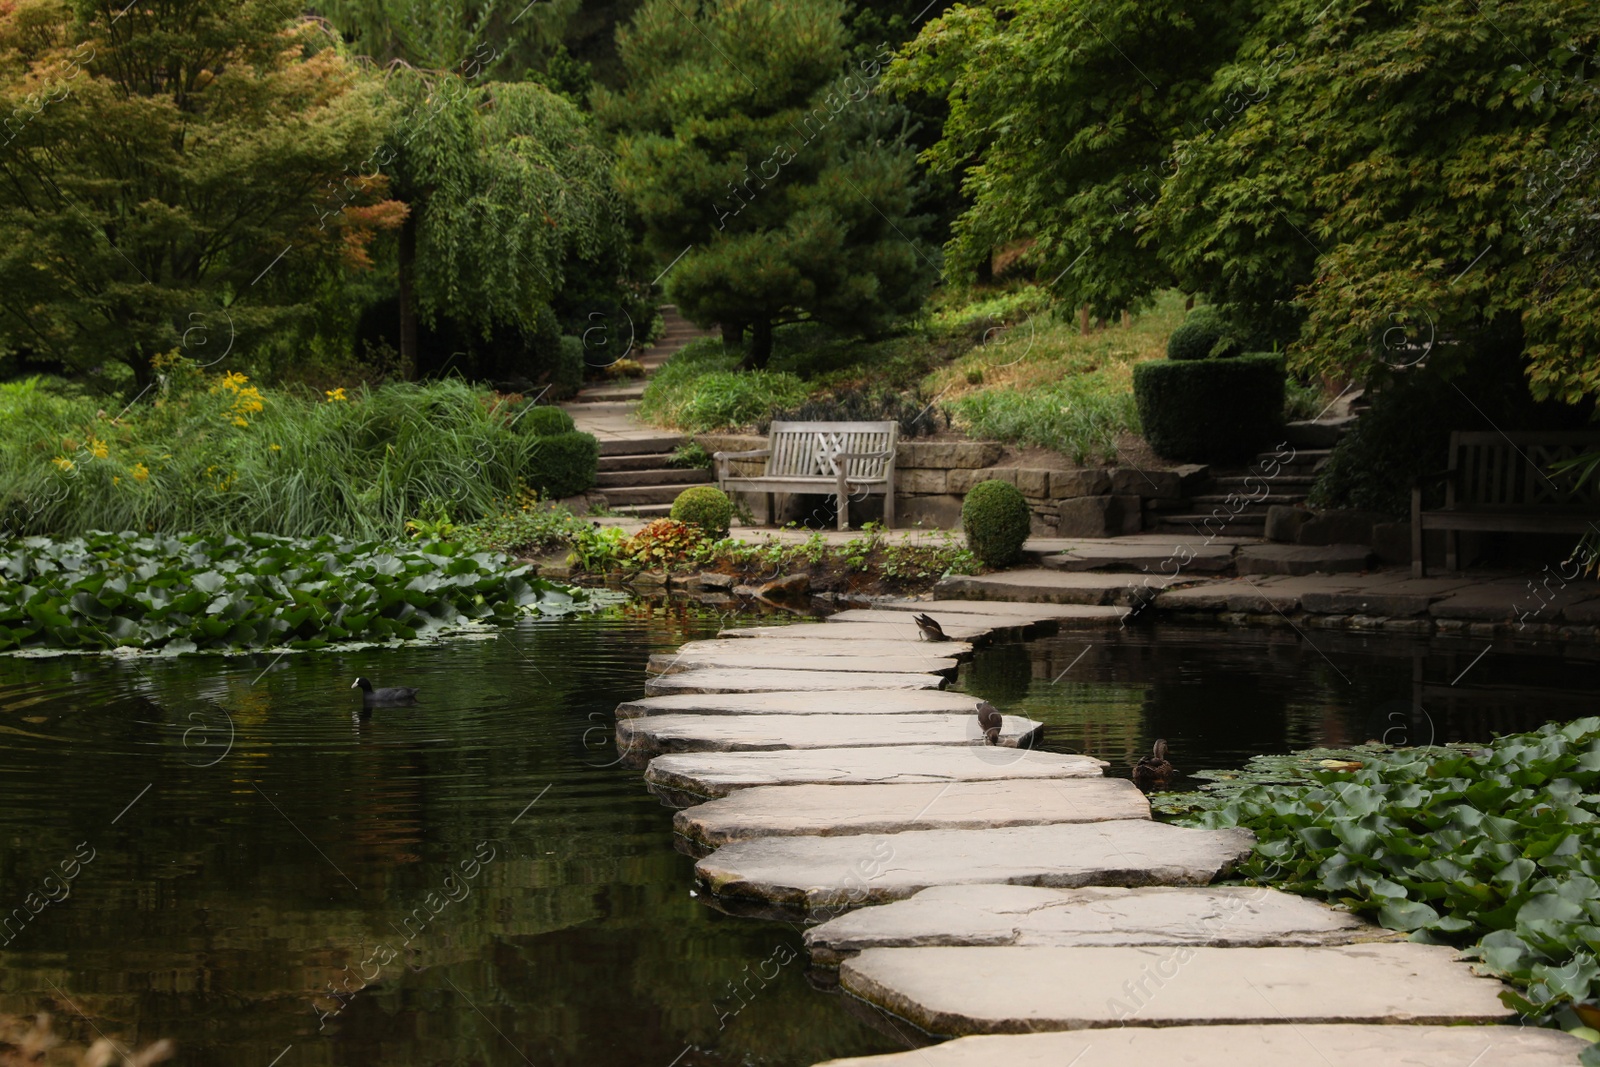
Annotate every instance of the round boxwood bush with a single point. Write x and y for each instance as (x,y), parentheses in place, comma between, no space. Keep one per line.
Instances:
(707,507)
(1210,410)
(996,519)
(543,420)
(563,464)
(1199,335)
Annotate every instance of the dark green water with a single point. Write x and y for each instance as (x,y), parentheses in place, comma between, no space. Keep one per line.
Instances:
(477,879)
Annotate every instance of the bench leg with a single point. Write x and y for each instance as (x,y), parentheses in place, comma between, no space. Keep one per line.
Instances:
(888,507)
(1452,551)
(1419,568)
(844,510)
(772,510)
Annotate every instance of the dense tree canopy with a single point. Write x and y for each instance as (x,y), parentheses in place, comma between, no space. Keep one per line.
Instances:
(765,168)
(161,168)
(1330,172)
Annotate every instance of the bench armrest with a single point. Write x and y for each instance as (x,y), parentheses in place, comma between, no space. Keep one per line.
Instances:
(887,453)
(721,460)
(1431,477)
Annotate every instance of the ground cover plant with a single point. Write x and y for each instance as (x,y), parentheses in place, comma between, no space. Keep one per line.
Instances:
(1494,848)
(184,594)
(217,454)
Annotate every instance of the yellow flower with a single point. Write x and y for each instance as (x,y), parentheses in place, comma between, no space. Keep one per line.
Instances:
(62,463)
(237,421)
(98,448)
(232,381)
(276,448)
(141,472)
(335,395)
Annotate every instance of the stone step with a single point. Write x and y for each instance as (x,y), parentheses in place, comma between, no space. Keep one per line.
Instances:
(813,873)
(964,915)
(1257,502)
(1301,457)
(1192,523)
(825,702)
(781,646)
(745,655)
(640,444)
(656,734)
(646,511)
(621,392)
(1250,1046)
(609,407)
(1051,586)
(826,810)
(1302,559)
(1012,989)
(1020,621)
(954,624)
(871,631)
(713,680)
(716,774)
(1252,483)
(621,496)
(676,476)
(1179,556)
(639,462)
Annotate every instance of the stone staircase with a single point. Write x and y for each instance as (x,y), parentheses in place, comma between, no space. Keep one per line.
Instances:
(1288,487)
(636,473)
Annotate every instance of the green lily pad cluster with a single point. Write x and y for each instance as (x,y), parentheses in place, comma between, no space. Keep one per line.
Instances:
(1496,847)
(183,594)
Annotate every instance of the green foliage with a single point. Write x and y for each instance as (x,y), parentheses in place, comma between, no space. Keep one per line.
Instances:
(914,415)
(568,377)
(662,543)
(502,38)
(1303,400)
(1494,847)
(158,160)
(526,530)
(692,455)
(598,549)
(700,390)
(182,594)
(543,420)
(563,464)
(1201,336)
(791,186)
(218,456)
(705,506)
(1210,411)
(1081,417)
(996,520)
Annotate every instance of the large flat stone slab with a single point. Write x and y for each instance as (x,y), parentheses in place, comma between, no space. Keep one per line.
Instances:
(810,873)
(1042,586)
(753,733)
(824,810)
(858,631)
(951,621)
(1065,613)
(716,774)
(911,646)
(966,915)
(731,680)
(1250,1046)
(1024,989)
(1193,556)
(806,702)
(749,655)
(1302,559)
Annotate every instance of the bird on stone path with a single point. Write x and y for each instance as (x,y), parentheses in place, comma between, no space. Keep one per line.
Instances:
(370,697)
(931,630)
(989,721)
(1153,771)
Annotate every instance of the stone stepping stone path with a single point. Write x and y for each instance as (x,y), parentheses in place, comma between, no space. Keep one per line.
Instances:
(759,680)
(1098,916)
(716,774)
(976,889)
(823,702)
(758,658)
(826,810)
(756,733)
(812,873)
(1014,989)
(1250,1046)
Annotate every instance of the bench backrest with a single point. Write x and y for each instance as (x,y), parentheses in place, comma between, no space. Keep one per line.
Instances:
(807,449)
(1512,469)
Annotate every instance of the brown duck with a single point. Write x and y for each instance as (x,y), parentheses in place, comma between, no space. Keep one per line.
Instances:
(989,721)
(931,630)
(1153,771)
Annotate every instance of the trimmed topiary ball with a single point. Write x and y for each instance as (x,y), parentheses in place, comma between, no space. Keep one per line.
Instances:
(707,507)
(1199,335)
(542,420)
(996,519)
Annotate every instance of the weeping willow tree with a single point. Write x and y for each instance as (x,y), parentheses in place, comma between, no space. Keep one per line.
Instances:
(510,192)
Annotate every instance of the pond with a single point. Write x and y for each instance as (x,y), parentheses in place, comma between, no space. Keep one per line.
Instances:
(481,882)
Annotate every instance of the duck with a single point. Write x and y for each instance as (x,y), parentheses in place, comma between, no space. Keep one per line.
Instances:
(989,721)
(1153,771)
(931,630)
(370,697)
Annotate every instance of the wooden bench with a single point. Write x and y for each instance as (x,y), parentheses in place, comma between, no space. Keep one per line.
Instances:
(837,458)
(1501,483)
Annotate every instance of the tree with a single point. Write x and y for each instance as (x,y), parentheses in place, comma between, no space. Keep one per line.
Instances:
(768,177)
(508,190)
(164,168)
(501,38)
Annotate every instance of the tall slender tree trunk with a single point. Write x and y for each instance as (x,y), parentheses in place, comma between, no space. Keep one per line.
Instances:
(760,345)
(732,333)
(408,295)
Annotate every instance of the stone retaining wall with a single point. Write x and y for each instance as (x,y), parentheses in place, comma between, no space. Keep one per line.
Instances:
(933,477)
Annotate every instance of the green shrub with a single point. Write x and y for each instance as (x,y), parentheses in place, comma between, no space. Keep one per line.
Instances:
(544,420)
(996,519)
(1203,335)
(563,464)
(567,378)
(1210,411)
(707,507)
(1081,417)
